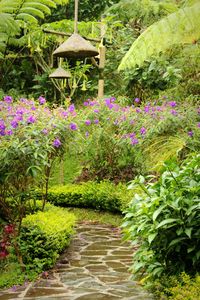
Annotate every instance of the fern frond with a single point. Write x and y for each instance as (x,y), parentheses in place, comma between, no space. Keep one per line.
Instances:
(32,11)
(27,17)
(180,27)
(49,3)
(43,8)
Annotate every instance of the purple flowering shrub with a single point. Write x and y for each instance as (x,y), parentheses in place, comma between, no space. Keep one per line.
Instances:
(115,139)
(31,137)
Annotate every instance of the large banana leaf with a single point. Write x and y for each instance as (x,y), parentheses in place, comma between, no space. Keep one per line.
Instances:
(180,27)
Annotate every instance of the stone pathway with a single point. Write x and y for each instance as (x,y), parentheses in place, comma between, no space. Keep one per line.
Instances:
(94,267)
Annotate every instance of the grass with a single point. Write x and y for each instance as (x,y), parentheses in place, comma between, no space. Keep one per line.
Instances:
(12,275)
(85,214)
(66,171)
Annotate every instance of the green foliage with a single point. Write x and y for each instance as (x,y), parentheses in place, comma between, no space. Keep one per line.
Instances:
(12,275)
(179,27)
(87,11)
(177,287)
(141,12)
(187,288)
(66,170)
(165,221)
(44,235)
(101,196)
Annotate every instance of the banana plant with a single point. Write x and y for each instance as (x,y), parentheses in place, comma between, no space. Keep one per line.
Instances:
(180,27)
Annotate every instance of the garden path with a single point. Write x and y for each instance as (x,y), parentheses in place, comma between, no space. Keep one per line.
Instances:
(94,267)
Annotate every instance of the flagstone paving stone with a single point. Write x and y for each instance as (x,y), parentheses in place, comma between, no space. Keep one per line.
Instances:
(94,267)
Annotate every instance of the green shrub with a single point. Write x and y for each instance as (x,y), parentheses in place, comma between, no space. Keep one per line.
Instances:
(187,288)
(165,220)
(177,287)
(102,196)
(44,235)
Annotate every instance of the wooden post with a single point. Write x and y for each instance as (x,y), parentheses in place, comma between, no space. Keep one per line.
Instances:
(102,58)
(102,54)
(76,17)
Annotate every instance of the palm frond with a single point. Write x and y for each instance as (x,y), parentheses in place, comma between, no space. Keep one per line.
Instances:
(180,27)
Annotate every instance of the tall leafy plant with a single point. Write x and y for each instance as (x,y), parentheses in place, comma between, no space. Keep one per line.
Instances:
(164,220)
(180,27)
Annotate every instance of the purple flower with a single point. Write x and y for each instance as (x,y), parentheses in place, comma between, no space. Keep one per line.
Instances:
(73,126)
(96,111)
(146,109)
(41,100)
(172,103)
(87,134)
(134,141)
(31,119)
(9,132)
(20,111)
(14,288)
(19,118)
(132,135)
(64,114)
(33,108)
(198,125)
(137,100)
(190,133)
(138,110)
(56,143)
(71,108)
(14,123)
(107,101)
(158,108)
(87,122)
(85,103)
(96,121)
(173,112)
(132,122)
(8,99)
(23,100)
(44,131)
(2,125)
(143,131)
(92,103)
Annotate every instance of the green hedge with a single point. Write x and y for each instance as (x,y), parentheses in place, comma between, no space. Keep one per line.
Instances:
(44,235)
(101,196)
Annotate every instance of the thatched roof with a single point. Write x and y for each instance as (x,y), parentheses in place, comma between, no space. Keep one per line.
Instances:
(60,73)
(76,46)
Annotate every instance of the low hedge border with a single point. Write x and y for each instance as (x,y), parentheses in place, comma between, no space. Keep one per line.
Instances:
(100,196)
(44,235)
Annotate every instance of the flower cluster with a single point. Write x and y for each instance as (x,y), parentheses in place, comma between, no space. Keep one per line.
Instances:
(5,242)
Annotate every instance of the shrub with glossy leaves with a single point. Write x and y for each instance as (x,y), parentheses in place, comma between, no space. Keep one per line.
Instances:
(165,221)
(101,196)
